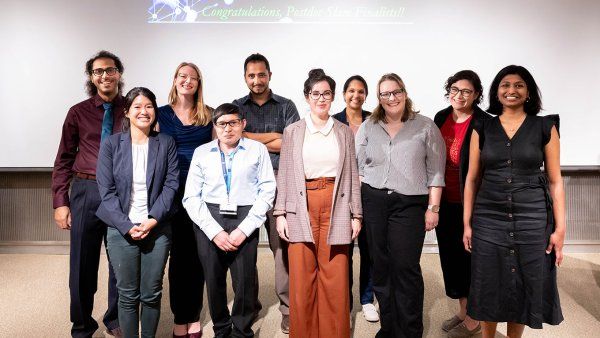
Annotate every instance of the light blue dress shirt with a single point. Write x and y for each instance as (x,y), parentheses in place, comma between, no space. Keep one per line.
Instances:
(252,183)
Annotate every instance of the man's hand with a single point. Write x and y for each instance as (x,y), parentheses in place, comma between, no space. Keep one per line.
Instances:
(356,226)
(221,240)
(282,228)
(62,217)
(237,237)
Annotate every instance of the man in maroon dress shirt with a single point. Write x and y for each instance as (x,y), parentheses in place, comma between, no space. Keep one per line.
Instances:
(86,123)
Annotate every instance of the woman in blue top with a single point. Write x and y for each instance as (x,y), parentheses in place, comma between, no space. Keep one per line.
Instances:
(188,120)
(355,93)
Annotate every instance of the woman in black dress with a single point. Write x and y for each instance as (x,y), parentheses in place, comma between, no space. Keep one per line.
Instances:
(514,217)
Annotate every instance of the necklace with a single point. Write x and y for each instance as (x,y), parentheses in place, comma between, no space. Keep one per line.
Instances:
(512,126)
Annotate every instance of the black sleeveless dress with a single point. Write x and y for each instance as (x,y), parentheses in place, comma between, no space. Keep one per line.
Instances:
(512,277)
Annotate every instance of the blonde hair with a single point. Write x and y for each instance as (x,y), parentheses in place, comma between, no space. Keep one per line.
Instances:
(379,113)
(201,113)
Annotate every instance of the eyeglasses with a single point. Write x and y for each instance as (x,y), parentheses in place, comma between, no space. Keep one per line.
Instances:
(185,77)
(327,95)
(110,71)
(388,95)
(463,92)
(232,124)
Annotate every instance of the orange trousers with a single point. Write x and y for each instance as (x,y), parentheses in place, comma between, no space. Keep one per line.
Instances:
(319,295)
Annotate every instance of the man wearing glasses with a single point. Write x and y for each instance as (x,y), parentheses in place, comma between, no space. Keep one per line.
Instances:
(229,189)
(267,115)
(86,124)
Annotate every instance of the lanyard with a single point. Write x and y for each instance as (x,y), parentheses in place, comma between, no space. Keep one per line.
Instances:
(227,171)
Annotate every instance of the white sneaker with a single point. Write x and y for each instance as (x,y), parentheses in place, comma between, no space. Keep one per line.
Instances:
(370,312)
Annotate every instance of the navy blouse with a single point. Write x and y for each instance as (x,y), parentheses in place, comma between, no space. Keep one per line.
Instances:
(187,138)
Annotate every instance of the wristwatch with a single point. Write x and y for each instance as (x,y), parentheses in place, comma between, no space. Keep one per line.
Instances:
(433,208)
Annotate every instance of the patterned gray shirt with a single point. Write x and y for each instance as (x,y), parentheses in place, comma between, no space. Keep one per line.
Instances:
(409,164)
(272,117)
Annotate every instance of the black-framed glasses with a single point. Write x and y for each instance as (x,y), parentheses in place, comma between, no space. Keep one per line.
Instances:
(388,95)
(327,95)
(232,123)
(463,92)
(185,77)
(110,71)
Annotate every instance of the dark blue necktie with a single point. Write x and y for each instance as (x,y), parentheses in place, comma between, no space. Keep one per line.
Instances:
(107,121)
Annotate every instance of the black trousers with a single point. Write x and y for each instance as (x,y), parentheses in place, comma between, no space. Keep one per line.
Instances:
(395,226)
(455,260)
(186,278)
(242,263)
(87,233)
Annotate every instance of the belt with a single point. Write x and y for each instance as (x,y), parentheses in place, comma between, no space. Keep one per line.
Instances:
(86,176)
(318,183)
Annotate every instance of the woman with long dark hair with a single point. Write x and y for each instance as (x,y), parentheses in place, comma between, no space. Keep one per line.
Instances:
(514,218)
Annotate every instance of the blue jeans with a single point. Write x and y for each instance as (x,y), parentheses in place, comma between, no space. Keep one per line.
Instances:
(139,267)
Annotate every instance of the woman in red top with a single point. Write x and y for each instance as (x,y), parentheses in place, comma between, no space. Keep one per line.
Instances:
(464,92)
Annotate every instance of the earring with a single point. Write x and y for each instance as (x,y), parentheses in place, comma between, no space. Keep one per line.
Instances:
(527,100)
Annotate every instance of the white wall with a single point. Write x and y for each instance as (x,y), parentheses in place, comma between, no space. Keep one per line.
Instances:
(46,43)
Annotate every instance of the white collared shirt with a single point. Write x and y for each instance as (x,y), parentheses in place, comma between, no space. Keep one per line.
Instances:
(252,183)
(320,152)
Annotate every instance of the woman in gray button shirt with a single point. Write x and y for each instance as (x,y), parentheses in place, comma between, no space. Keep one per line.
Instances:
(401,159)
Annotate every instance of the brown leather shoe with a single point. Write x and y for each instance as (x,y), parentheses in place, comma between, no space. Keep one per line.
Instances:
(461,331)
(451,323)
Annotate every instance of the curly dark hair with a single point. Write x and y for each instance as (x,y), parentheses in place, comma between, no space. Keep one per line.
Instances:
(470,76)
(533,104)
(90,88)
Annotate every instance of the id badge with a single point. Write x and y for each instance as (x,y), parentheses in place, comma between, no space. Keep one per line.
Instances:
(228,209)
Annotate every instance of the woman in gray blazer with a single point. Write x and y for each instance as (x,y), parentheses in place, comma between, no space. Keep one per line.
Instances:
(319,212)
(138,177)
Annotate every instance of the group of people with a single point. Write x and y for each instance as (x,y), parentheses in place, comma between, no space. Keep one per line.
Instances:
(191,185)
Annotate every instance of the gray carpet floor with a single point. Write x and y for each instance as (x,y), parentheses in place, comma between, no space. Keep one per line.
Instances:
(34,299)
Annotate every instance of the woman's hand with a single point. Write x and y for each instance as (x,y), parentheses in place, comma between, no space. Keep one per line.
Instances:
(147,225)
(356,226)
(282,228)
(431,220)
(136,232)
(467,232)
(557,240)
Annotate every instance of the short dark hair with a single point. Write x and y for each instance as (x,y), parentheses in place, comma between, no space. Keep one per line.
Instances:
(130,97)
(357,78)
(315,76)
(90,88)
(227,109)
(256,57)
(533,104)
(470,76)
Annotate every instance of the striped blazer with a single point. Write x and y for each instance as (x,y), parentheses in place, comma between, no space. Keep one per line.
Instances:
(291,189)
